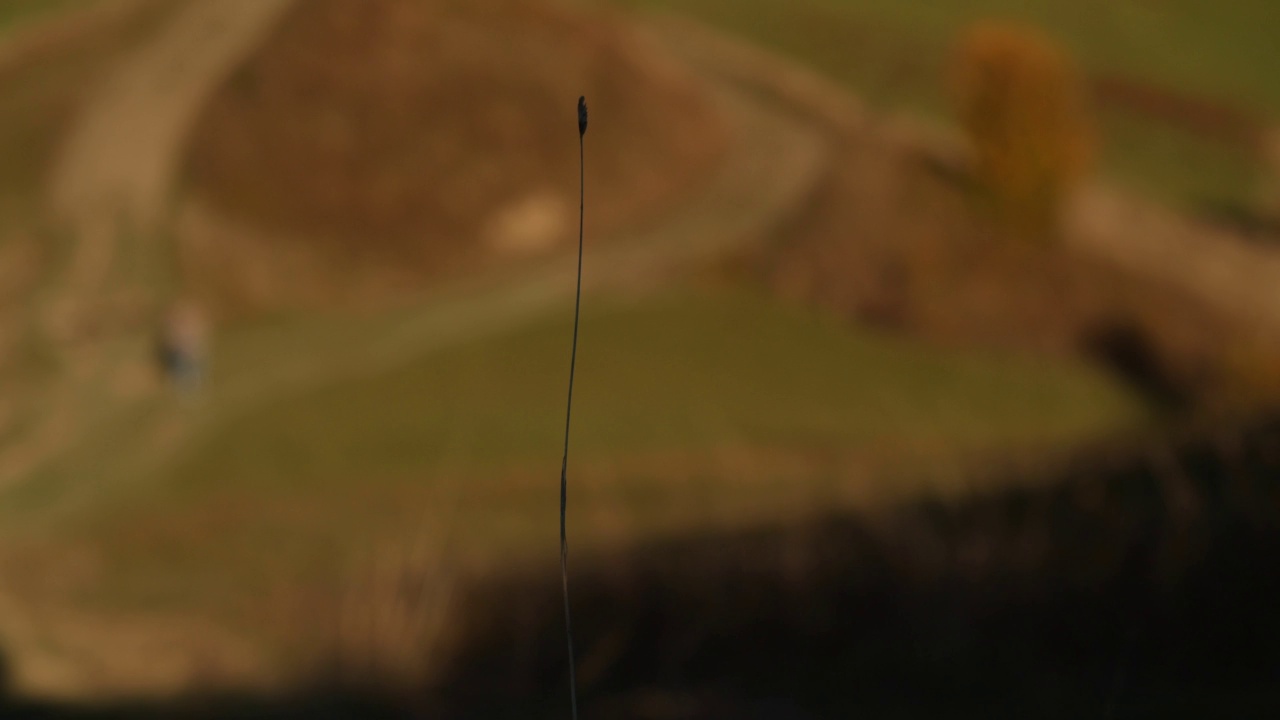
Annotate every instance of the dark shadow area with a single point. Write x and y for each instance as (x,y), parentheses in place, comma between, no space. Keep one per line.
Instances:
(1250,223)
(1127,350)
(1132,583)
(326,705)
(1143,582)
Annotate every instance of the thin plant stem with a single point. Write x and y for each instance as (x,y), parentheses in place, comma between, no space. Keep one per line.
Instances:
(564,464)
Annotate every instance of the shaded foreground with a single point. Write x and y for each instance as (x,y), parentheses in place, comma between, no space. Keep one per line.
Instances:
(1139,582)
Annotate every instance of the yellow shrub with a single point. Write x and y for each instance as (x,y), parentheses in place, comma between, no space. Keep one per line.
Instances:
(1022,103)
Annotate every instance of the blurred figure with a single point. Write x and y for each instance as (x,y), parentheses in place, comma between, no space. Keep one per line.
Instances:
(183,346)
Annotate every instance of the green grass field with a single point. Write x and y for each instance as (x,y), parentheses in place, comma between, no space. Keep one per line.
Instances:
(893,52)
(678,372)
(675,394)
(469,439)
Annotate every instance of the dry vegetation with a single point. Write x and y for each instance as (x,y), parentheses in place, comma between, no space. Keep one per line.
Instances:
(894,239)
(1022,103)
(412,133)
(1118,562)
(369,127)
(1125,580)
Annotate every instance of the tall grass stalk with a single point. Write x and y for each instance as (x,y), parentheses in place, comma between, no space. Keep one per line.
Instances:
(573,359)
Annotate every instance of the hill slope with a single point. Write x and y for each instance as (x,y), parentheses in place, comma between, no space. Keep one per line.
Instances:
(412,132)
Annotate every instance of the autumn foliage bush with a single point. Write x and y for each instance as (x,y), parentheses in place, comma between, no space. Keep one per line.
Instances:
(1022,103)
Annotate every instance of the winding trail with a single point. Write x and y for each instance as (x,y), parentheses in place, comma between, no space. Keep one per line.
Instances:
(1236,277)
(117,164)
(112,176)
(116,174)
(119,160)
(775,162)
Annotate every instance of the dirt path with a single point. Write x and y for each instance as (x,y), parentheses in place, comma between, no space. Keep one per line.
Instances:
(1218,267)
(152,98)
(117,168)
(777,161)
(118,163)
(113,175)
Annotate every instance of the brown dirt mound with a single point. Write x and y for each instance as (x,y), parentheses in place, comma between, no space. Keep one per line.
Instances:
(894,240)
(414,131)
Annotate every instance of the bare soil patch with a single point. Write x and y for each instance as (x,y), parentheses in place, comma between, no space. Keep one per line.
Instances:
(429,135)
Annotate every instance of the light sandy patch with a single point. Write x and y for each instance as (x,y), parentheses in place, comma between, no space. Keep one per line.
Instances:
(532,225)
(1219,267)
(119,160)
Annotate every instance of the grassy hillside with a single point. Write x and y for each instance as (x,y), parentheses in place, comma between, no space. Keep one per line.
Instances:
(683,371)
(892,51)
(405,132)
(694,410)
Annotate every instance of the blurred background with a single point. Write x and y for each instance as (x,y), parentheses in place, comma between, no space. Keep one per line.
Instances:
(929,359)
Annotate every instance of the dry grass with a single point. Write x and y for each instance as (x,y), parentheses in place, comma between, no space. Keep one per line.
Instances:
(1137,557)
(893,239)
(392,617)
(401,130)
(45,74)
(1021,101)
(1127,576)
